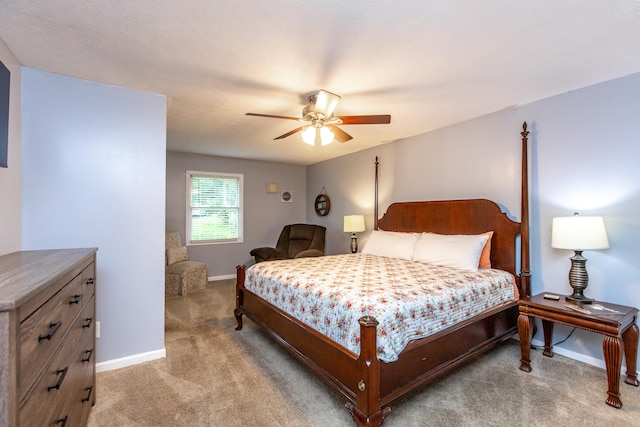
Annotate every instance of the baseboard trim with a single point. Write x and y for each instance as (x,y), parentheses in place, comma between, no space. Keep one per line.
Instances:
(589,360)
(135,359)
(223,277)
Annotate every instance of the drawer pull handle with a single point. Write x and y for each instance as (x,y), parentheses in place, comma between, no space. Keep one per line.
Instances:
(89,390)
(88,357)
(62,373)
(62,421)
(53,327)
(91,280)
(76,299)
(87,322)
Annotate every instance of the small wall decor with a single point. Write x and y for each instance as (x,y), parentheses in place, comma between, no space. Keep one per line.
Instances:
(322,205)
(272,187)
(286,196)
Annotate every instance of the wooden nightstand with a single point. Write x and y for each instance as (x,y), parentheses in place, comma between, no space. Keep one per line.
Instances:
(616,322)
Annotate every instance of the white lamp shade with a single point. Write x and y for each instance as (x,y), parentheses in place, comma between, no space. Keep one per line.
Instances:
(354,223)
(579,233)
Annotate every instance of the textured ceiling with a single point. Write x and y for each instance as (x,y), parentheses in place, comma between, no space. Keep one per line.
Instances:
(428,64)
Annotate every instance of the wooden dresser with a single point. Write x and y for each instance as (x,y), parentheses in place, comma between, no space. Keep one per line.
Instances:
(47,337)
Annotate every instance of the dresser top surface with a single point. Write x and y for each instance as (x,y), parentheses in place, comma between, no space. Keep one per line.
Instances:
(25,273)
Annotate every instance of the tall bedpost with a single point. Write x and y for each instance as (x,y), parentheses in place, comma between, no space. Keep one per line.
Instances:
(525,273)
(375,204)
(367,411)
(240,274)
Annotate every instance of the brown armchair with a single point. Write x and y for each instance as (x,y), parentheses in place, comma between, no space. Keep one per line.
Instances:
(295,241)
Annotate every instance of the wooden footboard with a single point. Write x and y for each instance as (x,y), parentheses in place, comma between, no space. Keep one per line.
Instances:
(427,359)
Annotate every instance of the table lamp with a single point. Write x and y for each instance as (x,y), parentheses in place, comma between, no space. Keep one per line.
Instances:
(354,224)
(578,233)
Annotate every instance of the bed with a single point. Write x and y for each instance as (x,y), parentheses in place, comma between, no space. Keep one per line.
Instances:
(369,378)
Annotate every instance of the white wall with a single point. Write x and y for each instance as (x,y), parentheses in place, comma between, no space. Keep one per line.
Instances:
(264,214)
(11,177)
(584,150)
(94,176)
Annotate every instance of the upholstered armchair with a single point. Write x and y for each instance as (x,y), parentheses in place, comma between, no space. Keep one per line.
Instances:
(181,276)
(295,241)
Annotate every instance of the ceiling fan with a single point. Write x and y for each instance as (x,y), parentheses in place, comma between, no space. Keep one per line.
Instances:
(320,125)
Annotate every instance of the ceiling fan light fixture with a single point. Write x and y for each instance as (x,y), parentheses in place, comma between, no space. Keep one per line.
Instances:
(317,135)
(326,136)
(309,135)
(326,103)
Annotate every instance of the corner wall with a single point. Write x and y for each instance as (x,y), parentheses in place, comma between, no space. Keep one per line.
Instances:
(94,176)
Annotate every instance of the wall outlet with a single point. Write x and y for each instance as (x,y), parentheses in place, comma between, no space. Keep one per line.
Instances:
(97,329)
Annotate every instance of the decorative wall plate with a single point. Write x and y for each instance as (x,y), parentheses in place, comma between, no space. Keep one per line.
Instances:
(286,196)
(322,205)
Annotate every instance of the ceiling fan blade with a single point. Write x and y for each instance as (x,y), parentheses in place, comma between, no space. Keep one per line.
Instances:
(272,116)
(290,133)
(381,119)
(338,134)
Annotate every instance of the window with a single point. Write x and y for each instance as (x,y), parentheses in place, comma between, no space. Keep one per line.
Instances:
(214,208)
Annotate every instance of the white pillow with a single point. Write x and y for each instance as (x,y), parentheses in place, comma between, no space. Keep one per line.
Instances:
(391,244)
(459,251)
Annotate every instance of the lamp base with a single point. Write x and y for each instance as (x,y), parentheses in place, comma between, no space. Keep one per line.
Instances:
(578,279)
(354,243)
(578,298)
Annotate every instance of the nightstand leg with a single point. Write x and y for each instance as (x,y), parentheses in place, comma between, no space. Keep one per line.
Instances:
(524,331)
(630,339)
(612,348)
(547,329)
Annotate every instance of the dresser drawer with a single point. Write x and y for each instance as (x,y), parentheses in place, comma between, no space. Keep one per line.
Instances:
(64,392)
(43,331)
(89,281)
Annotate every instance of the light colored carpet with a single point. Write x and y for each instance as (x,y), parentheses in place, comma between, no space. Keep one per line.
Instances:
(216,376)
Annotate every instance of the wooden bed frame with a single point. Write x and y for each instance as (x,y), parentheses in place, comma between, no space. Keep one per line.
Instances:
(370,385)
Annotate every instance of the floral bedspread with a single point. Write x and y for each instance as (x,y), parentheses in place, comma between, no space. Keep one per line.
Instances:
(410,300)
